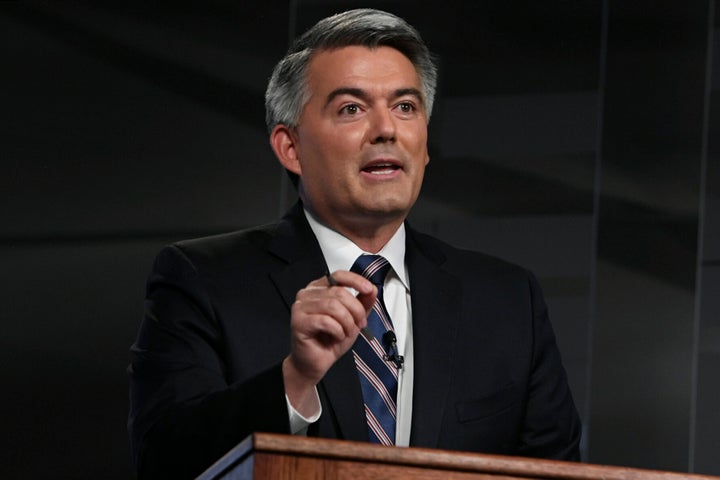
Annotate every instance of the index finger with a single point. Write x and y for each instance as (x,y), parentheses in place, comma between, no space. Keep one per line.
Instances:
(365,288)
(343,278)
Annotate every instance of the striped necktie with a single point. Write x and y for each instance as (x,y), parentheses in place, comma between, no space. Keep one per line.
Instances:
(378,377)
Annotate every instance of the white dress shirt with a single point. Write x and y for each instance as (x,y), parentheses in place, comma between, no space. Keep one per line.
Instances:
(340,253)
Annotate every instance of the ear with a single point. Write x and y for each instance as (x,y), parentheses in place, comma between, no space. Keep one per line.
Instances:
(283,142)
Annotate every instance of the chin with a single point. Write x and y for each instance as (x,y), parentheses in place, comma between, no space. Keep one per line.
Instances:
(390,210)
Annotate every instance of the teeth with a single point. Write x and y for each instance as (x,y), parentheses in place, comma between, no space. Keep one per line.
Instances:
(381,168)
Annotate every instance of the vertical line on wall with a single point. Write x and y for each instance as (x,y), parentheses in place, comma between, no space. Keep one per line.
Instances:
(597,184)
(700,239)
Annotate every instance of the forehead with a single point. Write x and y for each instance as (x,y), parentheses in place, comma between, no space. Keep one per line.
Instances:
(355,64)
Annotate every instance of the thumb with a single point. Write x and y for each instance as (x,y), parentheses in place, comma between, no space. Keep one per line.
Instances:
(368,299)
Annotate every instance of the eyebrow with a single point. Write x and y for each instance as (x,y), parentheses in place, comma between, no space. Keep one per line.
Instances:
(363,95)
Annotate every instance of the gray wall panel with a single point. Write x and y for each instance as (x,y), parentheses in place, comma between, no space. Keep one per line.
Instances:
(68,318)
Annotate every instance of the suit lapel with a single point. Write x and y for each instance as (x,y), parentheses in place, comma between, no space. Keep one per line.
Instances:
(436,296)
(344,397)
(294,242)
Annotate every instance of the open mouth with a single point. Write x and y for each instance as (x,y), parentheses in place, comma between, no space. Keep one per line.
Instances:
(381,168)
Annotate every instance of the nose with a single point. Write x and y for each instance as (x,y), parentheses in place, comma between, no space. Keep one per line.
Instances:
(382,127)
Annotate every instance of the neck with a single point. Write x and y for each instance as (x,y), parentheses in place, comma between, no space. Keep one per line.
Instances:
(369,239)
(369,234)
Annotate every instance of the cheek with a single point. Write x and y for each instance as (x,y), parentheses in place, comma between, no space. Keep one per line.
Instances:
(417,137)
(348,140)
(337,143)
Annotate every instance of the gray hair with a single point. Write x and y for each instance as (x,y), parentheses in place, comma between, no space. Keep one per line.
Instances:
(287,91)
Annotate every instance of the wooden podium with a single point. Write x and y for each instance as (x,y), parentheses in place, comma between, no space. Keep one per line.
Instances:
(265,456)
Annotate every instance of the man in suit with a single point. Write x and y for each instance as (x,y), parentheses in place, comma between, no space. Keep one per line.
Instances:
(248,331)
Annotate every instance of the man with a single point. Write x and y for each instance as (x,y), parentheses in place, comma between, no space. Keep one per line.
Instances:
(249,332)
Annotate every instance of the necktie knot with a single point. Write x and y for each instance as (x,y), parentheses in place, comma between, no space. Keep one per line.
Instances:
(373,267)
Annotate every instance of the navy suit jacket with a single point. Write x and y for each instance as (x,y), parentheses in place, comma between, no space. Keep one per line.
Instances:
(206,367)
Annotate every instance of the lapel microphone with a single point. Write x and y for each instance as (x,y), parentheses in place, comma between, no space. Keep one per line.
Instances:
(389,341)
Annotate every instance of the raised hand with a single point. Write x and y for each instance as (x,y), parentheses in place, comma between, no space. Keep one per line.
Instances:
(325,322)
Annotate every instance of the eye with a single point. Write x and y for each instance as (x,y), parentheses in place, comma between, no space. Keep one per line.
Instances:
(406,107)
(350,109)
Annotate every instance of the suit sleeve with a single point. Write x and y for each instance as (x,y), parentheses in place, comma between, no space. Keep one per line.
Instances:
(552,426)
(184,415)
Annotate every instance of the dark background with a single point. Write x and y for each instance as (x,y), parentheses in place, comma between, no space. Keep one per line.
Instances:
(578,138)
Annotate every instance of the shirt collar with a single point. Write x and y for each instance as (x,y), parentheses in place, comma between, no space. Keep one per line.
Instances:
(340,252)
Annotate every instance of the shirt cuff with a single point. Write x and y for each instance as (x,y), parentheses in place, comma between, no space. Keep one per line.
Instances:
(299,424)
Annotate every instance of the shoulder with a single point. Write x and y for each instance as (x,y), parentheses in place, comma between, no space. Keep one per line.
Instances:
(219,253)
(285,239)
(474,271)
(224,244)
(253,251)
(462,261)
